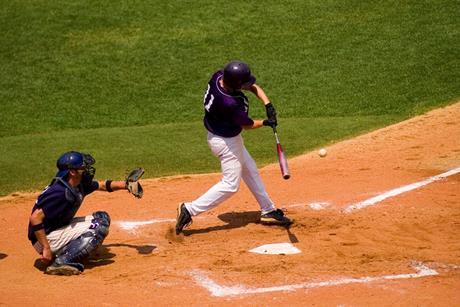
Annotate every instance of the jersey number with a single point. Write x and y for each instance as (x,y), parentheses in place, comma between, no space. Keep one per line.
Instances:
(208,99)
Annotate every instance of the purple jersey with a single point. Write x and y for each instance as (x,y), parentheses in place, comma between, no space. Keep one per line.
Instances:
(225,113)
(60,202)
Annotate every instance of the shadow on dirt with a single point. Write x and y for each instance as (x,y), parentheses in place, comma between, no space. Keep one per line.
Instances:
(3,256)
(102,256)
(292,237)
(233,220)
(141,249)
(40,265)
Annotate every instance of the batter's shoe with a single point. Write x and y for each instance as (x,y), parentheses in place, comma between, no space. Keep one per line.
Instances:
(275,217)
(184,218)
(64,269)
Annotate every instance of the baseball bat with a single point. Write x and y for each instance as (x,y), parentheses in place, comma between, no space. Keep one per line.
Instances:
(281,157)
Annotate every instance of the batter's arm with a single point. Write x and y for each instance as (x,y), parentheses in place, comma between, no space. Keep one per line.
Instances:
(257,124)
(269,108)
(260,93)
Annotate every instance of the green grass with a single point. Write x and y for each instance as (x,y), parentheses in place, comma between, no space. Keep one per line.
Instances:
(110,76)
(162,149)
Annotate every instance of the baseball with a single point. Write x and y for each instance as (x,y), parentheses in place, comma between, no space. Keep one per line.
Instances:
(322,152)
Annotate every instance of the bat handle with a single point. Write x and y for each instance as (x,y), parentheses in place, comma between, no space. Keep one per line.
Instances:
(276,135)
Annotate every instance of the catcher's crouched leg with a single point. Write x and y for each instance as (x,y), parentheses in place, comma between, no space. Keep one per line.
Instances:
(70,260)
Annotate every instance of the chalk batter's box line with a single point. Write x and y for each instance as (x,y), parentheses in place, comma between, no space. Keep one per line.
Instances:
(201,279)
(132,225)
(398,191)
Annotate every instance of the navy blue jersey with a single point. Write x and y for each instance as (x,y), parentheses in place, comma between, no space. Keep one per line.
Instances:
(60,202)
(225,113)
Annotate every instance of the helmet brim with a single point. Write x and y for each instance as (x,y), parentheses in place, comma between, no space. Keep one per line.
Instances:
(250,82)
(62,174)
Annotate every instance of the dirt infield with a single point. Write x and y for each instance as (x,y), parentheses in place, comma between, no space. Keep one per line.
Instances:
(374,222)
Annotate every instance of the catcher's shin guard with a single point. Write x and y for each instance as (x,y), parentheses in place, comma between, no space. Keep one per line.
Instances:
(77,250)
(102,215)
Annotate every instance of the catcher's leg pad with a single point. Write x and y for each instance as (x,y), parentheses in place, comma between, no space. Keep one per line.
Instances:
(79,249)
(102,215)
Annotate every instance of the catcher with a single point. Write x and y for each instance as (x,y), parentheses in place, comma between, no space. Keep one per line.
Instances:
(55,232)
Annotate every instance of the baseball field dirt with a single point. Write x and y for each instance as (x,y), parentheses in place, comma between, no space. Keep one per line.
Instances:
(377,222)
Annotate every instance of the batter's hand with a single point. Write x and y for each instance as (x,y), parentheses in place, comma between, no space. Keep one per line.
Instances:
(271,112)
(270,122)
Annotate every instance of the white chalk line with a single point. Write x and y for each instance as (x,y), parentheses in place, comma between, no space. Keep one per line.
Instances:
(215,289)
(376,199)
(132,225)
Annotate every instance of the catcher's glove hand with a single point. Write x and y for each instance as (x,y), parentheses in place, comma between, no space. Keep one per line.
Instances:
(132,182)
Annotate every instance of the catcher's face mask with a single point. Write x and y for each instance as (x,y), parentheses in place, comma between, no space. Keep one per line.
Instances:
(89,169)
(88,162)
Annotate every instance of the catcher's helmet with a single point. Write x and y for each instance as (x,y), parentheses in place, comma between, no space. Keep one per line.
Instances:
(73,160)
(237,75)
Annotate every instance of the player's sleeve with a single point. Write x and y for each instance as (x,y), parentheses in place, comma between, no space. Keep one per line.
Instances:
(90,188)
(241,118)
(50,203)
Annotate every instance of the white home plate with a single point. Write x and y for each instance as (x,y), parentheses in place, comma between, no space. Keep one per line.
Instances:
(314,206)
(318,206)
(276,249)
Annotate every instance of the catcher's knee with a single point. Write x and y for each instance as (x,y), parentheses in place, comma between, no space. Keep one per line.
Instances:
(103,216)
(100,224)
(79,249)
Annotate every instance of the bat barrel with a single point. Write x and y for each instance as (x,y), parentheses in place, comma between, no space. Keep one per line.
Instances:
(281,158)
(283,162)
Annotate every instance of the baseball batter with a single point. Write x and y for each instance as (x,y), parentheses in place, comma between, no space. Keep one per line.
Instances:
(55,232)
(226,115)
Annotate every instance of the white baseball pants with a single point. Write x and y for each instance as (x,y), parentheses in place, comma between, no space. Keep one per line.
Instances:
(236,163)
(59,238)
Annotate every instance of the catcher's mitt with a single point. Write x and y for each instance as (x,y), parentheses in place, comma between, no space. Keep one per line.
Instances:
(132,182)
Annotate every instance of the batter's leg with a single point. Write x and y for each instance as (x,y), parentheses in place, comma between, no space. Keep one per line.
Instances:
(251,177)
(230,153)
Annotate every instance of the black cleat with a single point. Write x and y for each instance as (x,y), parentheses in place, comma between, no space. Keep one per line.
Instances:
(184,218)
(275,217)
